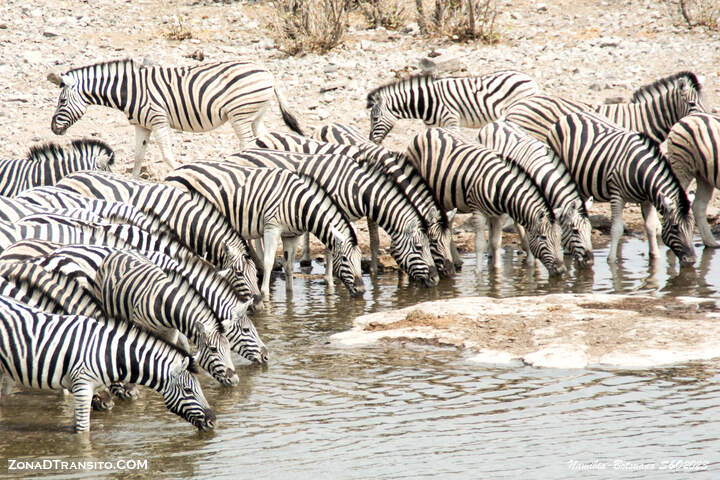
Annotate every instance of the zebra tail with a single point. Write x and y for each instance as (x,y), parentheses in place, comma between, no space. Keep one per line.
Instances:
(289,118)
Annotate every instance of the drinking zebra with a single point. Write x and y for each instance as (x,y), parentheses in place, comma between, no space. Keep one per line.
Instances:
(551,175)
(47,164)
(155,99)
(446,102)
(196,222)
(362,193)
(653,109)
(693,150)
(78,353)
(82,262)
(475,179)
(273,204)
(614,165)
(398,168)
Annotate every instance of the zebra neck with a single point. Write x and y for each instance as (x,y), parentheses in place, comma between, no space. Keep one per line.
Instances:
(118,86)
(651,117)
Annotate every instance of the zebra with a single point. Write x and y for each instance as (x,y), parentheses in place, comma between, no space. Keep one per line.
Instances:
(82,262)
(362,193)
(157,99)
(693,150)
(653,109)
(195,221)
(273,204)
(548,172)
(475,179)
(450,102)
(398,168)
(46,164)
(614,165)
(50,351)
(131,287)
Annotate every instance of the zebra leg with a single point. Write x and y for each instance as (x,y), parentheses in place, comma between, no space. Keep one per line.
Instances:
(374,246)
(616,227)
(243,130)
(271,238)
(328,272)
(142,136)
(258,127)
(703,195)
(163,135)
(306,260)
(495,237)
(651,227)
(6,384)
(479,224)
(82,393)
(289,250)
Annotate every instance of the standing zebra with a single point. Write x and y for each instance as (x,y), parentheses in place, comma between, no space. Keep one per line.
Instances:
(551,175)
(196,221)
(46,351)
(693,150)
(273,204)
(397,167)
(156,99)
(475,179)
(47,164)
(362,193)
(82,262)
(446,102)
(614,165)
(653,109)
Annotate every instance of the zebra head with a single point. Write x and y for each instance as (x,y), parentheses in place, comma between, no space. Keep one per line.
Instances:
(346,256)
(244,338)
(690,92)
(411,251)
(677,227)
(94,151)
(241,271)
(71,104)
(576,232)
(544,242)
(440,235)
(184,397)
(382,118)
(214,355)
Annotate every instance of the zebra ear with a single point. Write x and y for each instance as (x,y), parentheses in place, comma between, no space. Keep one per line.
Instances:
(228,324)
(67,81)
(691,197)
(338,235)
(451,215)
(242,310)
(588,203)
(54,78)
(200,335)
(225,272)
(178,368)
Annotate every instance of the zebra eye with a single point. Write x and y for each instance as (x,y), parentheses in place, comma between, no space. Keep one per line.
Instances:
(188,391)
(213,348)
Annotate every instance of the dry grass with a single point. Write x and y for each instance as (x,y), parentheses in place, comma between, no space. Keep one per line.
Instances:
(178,30)
(311,25)
(390,14)
(705,13)
(459,20)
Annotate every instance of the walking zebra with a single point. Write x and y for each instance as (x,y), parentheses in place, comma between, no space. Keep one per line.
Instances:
(552,176)
(47,351)
(693,150)
(274,204)
(196,221)
(132,288)
(614,165)
(446,102)
(47,164)
(82,262)
(362,193)
(156,99)
(475,179)
(653,109)
(397,167)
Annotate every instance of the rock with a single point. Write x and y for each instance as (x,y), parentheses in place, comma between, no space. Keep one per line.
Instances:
(50,34)
(412,28)
(541,7)
(614,100)
(445,63)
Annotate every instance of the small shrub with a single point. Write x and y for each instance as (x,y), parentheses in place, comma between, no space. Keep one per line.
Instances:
(459,19)
(383,13)
(705,13)
(178,30)
(311,25)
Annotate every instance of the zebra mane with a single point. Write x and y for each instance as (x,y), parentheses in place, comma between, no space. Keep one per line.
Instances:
(102,64)
(353,236)
(174,276)
(192,364)
(80,144)
(654,148)
(55,150)
(667,82)
(403,82)
(50,149)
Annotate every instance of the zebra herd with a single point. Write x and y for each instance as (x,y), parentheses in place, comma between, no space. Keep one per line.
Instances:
(110,282)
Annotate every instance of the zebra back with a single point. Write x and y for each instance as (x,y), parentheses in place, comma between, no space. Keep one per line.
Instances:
(551,175)
(693,149)
(195,221)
